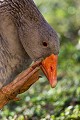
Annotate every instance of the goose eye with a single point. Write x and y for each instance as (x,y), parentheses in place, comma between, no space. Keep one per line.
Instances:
(45,44)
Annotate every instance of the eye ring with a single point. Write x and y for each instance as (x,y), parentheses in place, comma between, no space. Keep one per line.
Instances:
(45,44)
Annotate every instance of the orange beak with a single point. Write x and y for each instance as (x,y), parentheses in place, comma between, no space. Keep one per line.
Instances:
(49,67)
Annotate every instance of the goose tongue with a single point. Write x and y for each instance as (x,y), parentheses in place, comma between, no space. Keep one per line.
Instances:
(49,67)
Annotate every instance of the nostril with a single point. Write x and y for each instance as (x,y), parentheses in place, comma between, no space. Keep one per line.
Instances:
(45,44)
(51,68)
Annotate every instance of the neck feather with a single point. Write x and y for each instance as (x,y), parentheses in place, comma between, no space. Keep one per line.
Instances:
(11,64)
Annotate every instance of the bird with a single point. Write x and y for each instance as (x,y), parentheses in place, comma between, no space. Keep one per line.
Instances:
(25,36)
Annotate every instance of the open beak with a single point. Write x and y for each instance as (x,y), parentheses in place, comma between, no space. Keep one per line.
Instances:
(49,67)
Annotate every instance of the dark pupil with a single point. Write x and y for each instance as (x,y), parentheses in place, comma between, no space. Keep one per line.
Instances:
(45,44)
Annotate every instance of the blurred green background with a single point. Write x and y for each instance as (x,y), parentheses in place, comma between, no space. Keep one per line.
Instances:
(41,102)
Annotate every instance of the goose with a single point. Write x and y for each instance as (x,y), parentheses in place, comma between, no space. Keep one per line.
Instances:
(25,36)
